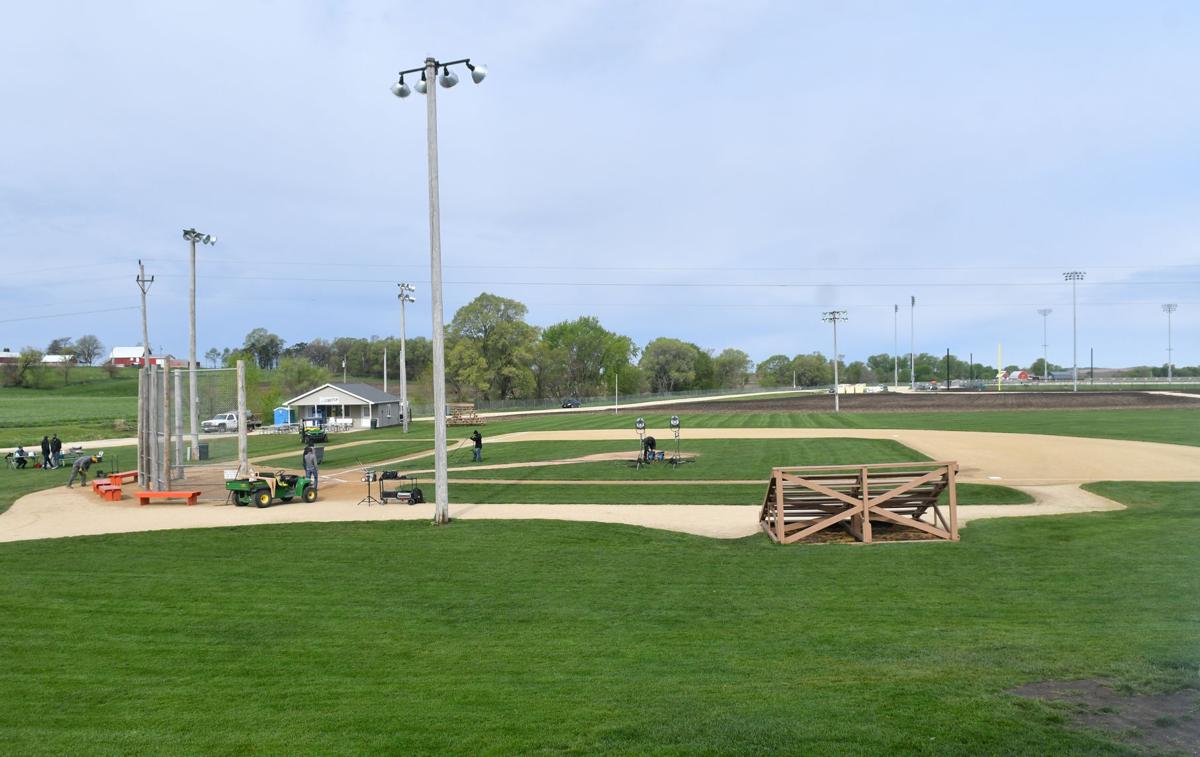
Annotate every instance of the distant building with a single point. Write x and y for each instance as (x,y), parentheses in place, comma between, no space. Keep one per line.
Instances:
(58,359)
(362,405)
(132,356)
(8,356)
(1063,375)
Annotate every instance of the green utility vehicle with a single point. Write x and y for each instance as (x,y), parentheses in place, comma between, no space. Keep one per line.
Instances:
(287,487)
(312,431)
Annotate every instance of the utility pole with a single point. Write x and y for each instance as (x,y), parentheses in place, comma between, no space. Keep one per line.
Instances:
(1043,312)
(896,346)
(1169,308)
(193,236)
(144,285)
(947,368)
(385,368)
(405,296)
(833,316)
(1074,277)
(912,344)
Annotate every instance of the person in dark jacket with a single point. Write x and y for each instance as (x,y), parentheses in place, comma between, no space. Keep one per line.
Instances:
(46,460)
(477,438)
(310,465)
(55,452)
(80,469)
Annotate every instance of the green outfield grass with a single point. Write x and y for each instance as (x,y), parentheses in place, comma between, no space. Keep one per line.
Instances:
(548,493)
(518,637)
(712,458)
(1168,425)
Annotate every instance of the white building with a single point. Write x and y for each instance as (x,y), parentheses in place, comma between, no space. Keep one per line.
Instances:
(362,405)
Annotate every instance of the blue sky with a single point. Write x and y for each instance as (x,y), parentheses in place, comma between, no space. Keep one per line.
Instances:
(717,172)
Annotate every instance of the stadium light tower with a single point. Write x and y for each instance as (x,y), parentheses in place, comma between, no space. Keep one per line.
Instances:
(1074,277)
(447,78)
(895,346)
(193,236)
(833,316)
(405,295)
(1043,312)
(1169,308)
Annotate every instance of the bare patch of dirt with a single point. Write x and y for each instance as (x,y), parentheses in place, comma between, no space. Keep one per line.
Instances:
(943,402)
(1163,722)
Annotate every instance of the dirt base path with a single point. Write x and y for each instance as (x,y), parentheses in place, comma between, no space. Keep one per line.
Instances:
(1047,467)
(983,457)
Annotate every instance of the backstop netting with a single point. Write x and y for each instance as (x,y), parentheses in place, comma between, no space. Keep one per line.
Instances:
(179,450)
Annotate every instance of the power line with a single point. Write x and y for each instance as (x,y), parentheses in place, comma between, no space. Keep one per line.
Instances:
(698,284)
(64,315)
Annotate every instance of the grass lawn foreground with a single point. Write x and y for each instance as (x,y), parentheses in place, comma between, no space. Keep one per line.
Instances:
(541,636)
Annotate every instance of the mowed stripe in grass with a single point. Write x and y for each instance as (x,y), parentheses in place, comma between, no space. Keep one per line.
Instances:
(550,493)
(538,636)
(1167,425)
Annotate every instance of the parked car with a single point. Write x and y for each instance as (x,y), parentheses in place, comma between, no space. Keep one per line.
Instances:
(572,402)
(223,422)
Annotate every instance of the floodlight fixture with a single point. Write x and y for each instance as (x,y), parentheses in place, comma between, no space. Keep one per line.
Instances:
(640,424)
(478,72)
(674,421)
(833,316)
(422,86)
(400,89)
(448,78)
(1074,277)
(1170,308)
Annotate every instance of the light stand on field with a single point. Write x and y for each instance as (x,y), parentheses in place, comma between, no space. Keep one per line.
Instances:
(640,426)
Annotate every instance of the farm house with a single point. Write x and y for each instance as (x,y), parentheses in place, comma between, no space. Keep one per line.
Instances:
(358,405)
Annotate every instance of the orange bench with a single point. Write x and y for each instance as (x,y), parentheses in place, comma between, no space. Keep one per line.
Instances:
(145,497)
(110,493)
(126,477)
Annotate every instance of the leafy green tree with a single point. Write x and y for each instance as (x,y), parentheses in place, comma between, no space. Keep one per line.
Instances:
(87,349)
(1039,368)
(812,370)
(731,369)
(297,374)
(212,356)
(60,346)
(264,347)
(882,367)
(493,348)
(669,364)
(775,371)
(587,351)
(858,373)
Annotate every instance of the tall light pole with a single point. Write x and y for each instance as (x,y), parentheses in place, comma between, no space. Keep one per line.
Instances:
(912,344)
(895,346)
(1168,309)
(429,73)
(1074,277)
(833,316)
(1043,312)
(405,295)
(193,236)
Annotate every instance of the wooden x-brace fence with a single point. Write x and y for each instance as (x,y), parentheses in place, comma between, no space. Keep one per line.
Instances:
(802,501)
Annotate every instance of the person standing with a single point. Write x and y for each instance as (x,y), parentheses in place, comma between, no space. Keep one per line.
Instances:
(477,438)
(56,451)
(310,465)
(46,460)
(80,469)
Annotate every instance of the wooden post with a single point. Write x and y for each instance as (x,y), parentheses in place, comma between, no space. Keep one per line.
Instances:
(952,474)
(779,521)
(178,395)
(166,423)
(243,455)
(866,510)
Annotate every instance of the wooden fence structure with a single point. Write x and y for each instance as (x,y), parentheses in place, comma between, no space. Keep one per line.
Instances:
(802,501)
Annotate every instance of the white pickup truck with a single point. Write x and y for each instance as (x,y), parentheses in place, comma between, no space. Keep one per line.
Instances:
(228,422)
